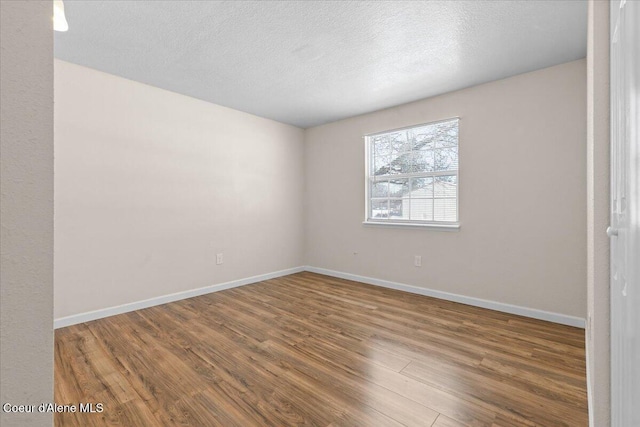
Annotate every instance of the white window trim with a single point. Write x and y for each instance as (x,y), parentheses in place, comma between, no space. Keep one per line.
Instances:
(435,225)
(443,226)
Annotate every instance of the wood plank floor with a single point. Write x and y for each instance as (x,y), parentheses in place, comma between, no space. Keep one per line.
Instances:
(311,350)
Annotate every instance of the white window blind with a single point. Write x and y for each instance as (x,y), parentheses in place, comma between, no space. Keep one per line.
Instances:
(412,175)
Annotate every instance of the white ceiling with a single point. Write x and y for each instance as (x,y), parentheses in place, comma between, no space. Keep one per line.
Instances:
(313,62)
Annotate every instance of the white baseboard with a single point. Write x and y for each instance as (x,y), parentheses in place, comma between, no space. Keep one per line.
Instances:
(125,308)
(477,302)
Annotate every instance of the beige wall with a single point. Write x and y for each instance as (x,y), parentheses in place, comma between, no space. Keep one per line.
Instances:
(598,330)
(150,185)
(26,209)
(522,195)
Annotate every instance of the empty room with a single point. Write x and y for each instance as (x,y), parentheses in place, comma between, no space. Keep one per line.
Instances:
(320,213)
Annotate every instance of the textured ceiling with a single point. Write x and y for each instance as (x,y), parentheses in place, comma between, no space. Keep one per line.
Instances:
(313,62)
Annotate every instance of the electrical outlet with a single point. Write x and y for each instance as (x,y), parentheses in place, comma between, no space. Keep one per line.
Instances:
(417,261)
(219,258)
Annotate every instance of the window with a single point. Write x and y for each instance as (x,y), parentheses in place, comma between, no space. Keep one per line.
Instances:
(412,175)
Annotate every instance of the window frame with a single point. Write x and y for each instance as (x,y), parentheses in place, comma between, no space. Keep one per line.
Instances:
(440,225)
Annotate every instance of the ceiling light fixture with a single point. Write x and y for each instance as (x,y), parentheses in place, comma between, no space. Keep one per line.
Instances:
(59,21)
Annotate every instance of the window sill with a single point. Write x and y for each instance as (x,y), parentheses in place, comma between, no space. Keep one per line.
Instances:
(442,227)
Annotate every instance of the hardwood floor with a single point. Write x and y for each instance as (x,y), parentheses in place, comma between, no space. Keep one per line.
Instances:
(311,350)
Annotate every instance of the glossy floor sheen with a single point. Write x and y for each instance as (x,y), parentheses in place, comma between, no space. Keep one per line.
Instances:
(313,350)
